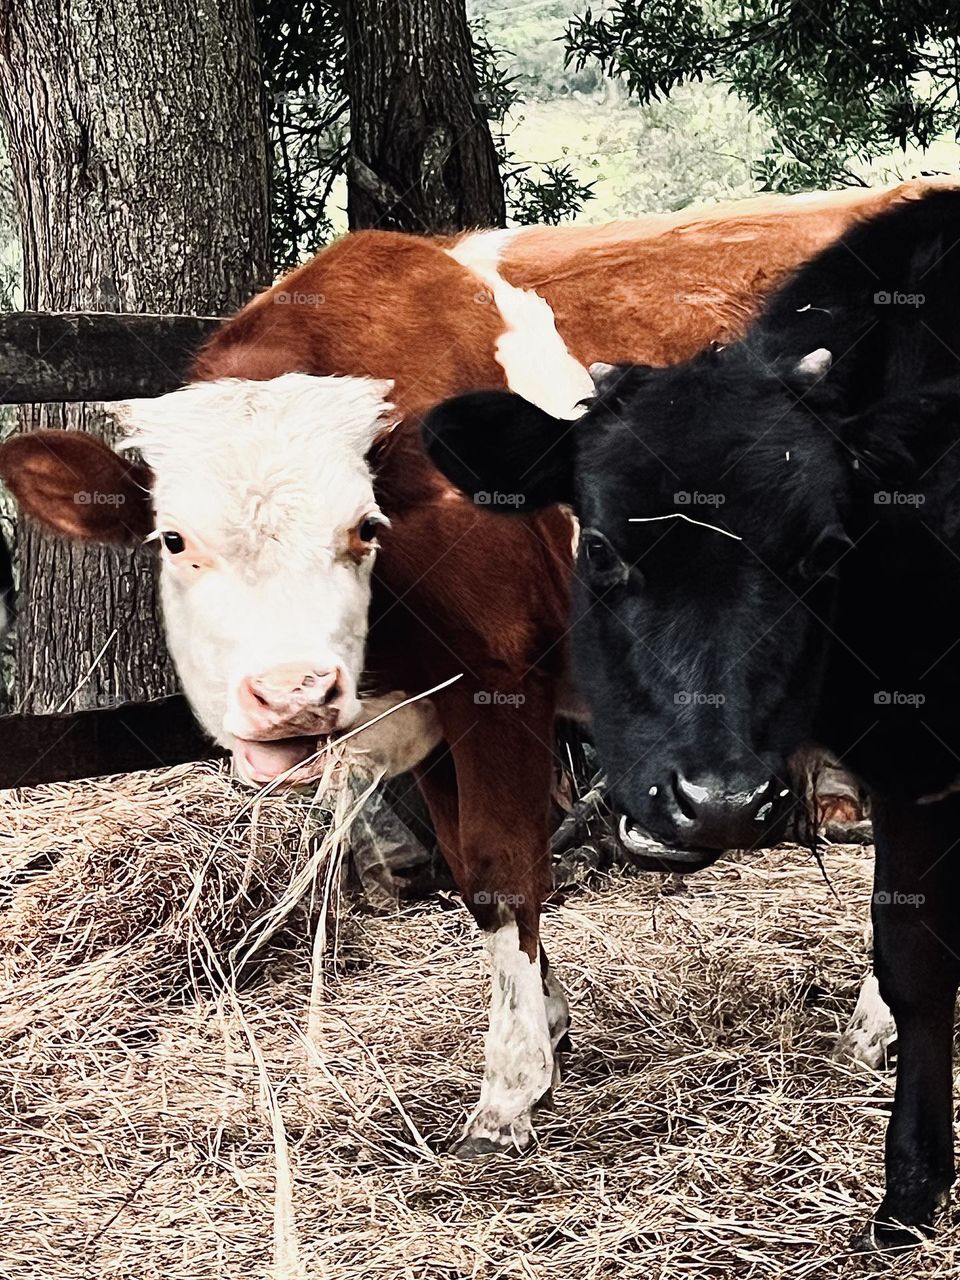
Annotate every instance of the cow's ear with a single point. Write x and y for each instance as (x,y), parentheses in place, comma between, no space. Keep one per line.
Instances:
(502,451)
(73,483)
(615,384)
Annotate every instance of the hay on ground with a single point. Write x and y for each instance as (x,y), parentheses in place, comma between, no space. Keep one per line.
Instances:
(197,1084)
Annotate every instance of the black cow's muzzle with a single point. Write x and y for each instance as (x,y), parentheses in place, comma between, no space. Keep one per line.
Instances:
(687,825)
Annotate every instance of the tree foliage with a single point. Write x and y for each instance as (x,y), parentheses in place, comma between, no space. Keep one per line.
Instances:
(839,81)
(549,193)
(303,54)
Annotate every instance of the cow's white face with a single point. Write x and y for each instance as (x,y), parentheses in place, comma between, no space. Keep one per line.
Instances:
(268,527)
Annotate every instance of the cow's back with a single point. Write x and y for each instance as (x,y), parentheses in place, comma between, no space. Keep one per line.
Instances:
(651,290)
(659,289)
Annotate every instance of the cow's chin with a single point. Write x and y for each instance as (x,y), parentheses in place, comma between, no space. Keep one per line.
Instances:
(649,854)
(290,759)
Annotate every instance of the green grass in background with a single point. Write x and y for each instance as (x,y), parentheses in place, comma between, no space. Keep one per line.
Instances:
(698,147)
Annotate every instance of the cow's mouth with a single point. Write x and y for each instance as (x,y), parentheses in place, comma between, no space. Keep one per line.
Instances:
(261,762)
(650,854)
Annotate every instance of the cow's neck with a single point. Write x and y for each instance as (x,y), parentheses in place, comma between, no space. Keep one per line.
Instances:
(891,705)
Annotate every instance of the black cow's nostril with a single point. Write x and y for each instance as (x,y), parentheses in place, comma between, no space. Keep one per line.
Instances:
(725,812)
(765,801)
(687,796)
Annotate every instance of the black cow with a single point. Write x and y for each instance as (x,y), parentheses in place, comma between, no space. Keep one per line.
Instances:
(771,557)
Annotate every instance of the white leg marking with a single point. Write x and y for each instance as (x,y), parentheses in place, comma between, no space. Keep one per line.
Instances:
(519,1050)
(871,1030)
(534,357)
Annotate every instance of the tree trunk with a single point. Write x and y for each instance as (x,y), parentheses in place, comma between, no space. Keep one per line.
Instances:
(421,154)
(135,129)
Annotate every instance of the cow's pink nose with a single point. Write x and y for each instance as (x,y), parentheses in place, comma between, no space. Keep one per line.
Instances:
(291,697)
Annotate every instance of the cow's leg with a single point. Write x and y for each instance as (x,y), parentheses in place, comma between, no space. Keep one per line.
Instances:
(558,1015)
(871,1030)
(437,779)
(438,782)
(558,1010)
(916,949)
(504,757)
(394,743)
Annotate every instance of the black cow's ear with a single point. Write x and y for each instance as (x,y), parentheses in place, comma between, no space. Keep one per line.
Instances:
(502,451)
(614,384)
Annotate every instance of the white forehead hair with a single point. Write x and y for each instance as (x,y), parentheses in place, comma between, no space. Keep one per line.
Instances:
(347,412)
(260,454)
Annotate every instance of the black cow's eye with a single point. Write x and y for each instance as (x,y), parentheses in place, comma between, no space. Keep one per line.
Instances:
(173,541)
(605,567)
(823,558)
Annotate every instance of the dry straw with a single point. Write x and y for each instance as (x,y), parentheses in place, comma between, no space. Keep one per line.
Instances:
(197,1083)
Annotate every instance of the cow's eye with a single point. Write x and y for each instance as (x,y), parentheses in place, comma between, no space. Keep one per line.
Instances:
(173,541)
(371,525)
(605,567)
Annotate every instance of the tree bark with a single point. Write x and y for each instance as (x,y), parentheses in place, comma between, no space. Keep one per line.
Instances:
(136,134)
(422,156)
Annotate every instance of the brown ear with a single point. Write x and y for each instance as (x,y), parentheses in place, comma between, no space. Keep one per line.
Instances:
(73,483)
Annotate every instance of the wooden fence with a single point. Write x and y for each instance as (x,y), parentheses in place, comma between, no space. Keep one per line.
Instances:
(72,357)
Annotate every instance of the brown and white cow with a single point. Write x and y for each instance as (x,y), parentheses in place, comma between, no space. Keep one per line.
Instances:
(292,502)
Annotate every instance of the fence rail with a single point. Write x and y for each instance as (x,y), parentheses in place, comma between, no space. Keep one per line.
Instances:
(72,357)
(75,356)
(86,744)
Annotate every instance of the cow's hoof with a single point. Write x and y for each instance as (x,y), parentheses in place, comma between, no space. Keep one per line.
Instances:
(892,1229)
(871,1036)
(888,1237)
(488,1134)
(860,1047)
(477,1147)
